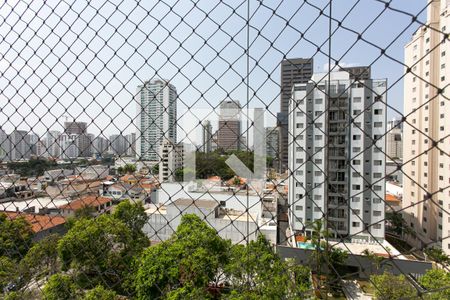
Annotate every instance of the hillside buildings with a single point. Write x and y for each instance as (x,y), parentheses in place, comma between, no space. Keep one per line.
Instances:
(337,129)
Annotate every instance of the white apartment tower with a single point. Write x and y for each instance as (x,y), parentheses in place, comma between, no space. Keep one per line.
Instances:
(157,117)
(426,194)
(338,125)
(171,159)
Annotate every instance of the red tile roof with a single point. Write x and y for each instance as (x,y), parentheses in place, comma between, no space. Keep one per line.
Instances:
(38,222)
(92,201)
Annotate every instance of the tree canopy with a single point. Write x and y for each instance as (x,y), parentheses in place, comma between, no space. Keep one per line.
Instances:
(392,287)
(15,237)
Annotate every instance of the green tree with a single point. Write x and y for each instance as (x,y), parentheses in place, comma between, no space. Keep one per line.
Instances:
(256,272)
(42,257)
(8,271)
(375,259)
(100,293)
(120,170)
(15,237)
(437,255)
(437,282)
(391,287)
(60,287)
(129,168)
(100,250)
(189,261)
(155,169)
(133,215)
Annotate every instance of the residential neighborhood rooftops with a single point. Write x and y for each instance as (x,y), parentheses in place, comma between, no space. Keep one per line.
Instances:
(200,203)
(38,222)
(92,201)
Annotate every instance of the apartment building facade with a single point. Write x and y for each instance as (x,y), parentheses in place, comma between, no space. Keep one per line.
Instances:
(426,197)
(336,156)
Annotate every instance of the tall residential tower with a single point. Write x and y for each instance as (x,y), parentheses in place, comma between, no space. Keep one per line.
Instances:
(157,117)
(426,196)
(336,154)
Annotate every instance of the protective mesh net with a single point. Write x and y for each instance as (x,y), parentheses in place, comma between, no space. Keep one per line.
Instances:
(224,149)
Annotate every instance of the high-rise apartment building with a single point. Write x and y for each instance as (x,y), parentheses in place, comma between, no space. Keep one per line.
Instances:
(83,141)
(20,147)
(394,144)
(53,143)
(157,117)
(131,144)
(4,145)
(229,131)
(171,160)
(69,146)
(336,154)
(272,142)
(426,197)
(293,71)
(118,144)
(207,137)
(99,145)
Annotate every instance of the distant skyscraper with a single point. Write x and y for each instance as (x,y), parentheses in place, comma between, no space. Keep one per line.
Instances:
(118,144)
(293,71)
(4,145)
(426,132)
(207,137)
(157,117)
(229,132)
(338,160)
(272,142)
(34,139)
(83,142)
(53,143)
(131,144)
(99,145)
(19,145)
(69,146)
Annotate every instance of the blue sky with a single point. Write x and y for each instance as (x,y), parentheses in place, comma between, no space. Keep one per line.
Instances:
(84,59)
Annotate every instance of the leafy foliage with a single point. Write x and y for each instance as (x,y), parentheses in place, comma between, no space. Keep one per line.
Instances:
(8,271)
(60,287)
(100,248)
(437,255)
(213,163)
(42,257)
(15,237)
(258,273)
(437,281)
(190,260)
(100,293)
(32,167)
(392,287)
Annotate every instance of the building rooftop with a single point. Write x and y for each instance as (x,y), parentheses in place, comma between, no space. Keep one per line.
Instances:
(38,222)
(92,201)
(200,203)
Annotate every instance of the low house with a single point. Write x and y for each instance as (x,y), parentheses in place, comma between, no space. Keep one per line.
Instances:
(122,191)
(41,225)
(97,204)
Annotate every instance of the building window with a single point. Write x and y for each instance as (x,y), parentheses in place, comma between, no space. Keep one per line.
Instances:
(318,137)
(356,162)
(356,187)
(378,111)
(319,101)
(298,207)
(377,162)
(355,224)
(376,213)
(376,175)
(356,137)
(378,124)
